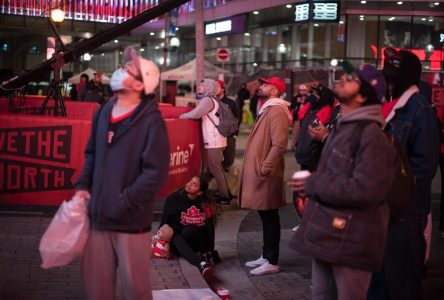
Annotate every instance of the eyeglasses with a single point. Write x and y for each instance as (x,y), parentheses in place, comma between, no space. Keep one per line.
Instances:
(352,77)
(127,70)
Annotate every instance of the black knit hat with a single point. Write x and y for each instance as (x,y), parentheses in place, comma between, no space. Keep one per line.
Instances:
(402,68)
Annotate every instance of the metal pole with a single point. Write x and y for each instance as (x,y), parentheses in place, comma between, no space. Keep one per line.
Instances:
(200,48)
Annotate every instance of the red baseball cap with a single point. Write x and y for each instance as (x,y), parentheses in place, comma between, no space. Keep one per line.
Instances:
(221,83)
(276,81)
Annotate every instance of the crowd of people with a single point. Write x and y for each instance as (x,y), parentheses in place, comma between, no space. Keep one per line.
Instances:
(339,137)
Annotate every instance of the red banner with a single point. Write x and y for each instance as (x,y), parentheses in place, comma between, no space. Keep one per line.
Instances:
(31,104)
(41,157)
(185,153)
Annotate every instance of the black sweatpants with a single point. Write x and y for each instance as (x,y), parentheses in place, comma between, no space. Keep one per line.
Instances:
(193,239)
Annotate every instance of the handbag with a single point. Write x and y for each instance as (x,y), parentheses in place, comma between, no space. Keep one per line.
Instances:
(65,238)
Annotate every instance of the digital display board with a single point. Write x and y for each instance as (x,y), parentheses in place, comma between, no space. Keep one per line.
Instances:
(317,11)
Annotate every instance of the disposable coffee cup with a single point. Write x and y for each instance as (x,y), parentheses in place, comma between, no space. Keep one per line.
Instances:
(224,294)
(301,174)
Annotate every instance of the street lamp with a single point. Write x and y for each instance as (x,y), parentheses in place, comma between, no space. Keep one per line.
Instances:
(428,52)
(333,64)
(56,17)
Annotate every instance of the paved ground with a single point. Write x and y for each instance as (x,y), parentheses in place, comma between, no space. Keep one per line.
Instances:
(238,239)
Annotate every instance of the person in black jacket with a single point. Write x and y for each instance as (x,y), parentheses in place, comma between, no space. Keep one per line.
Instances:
(188,212)
(230,149)
(242,95)
(94,90)
(126,164)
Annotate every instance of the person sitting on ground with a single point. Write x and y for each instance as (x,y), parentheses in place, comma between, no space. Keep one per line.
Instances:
(188,212)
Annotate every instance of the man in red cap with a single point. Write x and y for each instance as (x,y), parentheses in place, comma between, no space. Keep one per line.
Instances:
(262,178)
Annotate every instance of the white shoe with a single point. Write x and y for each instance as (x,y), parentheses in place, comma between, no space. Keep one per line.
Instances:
(266,268)
(256,263)
(294,229)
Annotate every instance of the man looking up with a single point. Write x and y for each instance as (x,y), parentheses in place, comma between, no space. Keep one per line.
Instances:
(344,226)
(126,164)
(261,184)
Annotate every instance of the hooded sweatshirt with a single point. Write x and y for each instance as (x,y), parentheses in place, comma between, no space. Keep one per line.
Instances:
(124,176)
(206,110)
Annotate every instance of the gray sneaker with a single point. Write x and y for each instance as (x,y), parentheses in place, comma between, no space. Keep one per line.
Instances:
(256,263)
(266,268)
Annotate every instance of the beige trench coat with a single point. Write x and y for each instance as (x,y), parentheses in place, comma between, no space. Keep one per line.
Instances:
(262,177)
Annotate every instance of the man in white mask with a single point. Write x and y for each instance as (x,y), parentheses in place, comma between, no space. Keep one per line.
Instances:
(126,163)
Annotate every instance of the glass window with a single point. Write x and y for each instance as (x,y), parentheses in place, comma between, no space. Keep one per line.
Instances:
(362,37)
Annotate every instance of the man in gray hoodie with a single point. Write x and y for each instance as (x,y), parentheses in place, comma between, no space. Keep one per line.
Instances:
(214,142)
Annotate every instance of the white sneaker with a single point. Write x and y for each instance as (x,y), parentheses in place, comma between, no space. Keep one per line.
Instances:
(294,229)
(256,263)
(265,268)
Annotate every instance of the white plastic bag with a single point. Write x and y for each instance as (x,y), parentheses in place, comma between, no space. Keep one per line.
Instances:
(66,236)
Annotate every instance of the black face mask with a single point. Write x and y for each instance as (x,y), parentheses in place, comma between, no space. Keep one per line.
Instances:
(312,98)
(390,72)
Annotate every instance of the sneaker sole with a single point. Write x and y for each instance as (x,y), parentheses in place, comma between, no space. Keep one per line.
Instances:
(252,264)
(266,273)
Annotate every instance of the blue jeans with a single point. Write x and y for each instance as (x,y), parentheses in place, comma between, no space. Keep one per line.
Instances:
(338,282)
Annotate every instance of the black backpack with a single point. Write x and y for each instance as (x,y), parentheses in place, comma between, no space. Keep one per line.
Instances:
(400,196)
(228,124)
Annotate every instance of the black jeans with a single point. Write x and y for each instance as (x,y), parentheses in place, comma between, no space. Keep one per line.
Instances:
(441,169)
(401,276)
(192,239)
(229,153)
(271,234)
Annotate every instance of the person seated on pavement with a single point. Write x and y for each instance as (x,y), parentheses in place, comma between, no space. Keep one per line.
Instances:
(189,213)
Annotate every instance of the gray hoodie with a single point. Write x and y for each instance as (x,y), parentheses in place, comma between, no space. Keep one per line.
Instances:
(205,104)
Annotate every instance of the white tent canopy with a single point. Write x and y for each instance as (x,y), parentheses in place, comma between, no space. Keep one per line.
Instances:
(188,72)
(90,72)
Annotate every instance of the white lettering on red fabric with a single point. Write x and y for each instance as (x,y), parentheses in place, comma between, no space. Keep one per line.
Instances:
(193,216)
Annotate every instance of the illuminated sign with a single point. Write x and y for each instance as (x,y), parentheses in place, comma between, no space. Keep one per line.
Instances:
(325,11)
(218,27)
(105,11)
(302,12)
(232,25)
(317,11)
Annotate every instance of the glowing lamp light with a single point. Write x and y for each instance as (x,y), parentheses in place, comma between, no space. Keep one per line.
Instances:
(334,62)
(57,15)
(86,57)
(429,48)
(174,42)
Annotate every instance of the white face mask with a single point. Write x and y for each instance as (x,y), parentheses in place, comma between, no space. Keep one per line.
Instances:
(117,79)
